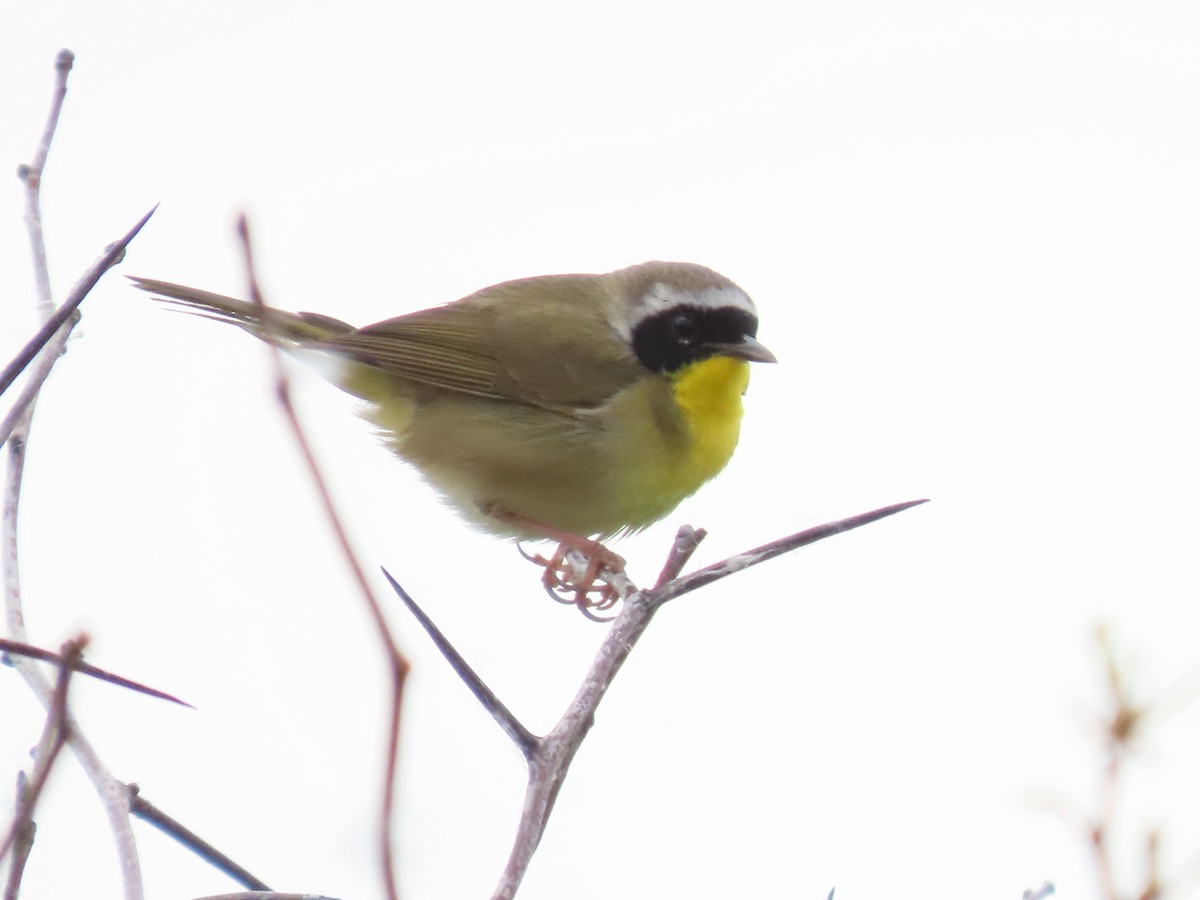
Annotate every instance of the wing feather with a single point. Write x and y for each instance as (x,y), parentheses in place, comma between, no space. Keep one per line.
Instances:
(541,341)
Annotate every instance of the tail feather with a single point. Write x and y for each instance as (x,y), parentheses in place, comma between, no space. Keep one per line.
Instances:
(276,326)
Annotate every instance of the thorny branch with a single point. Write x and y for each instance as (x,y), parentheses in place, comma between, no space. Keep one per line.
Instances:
(148,812)
(51,338)
(38,356)
(263,895)
(112,792)
(550,757)
(54,735)
(75,663)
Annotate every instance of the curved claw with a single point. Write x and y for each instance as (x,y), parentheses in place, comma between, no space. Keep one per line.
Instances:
(587,590)
(532,557)
(589,612)
(557,594)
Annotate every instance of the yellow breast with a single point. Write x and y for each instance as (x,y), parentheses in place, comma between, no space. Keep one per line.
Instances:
(709,395)
(678,450)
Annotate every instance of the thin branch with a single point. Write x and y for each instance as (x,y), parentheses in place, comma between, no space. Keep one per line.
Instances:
(112,255)
(22,847)
(741,561)
(549,765)
(148,812)
(17,416)
(548,769)
(397,662)
(76,664)
(54,735)
(525,740)
(687,540)
(550,757)
(264,895)
(112,792)
(32,173)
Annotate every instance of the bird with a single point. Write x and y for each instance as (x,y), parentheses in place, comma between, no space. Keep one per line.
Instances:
(573,408)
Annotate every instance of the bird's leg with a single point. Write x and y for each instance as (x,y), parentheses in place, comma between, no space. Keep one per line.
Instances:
(574,573)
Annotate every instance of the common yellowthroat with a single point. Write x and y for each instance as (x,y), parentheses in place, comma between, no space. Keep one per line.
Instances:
(563,406)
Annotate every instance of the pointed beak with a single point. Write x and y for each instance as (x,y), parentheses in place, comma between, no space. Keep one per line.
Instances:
(748,349)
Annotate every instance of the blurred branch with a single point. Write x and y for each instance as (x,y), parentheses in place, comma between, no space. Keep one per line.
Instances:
(112,792)
(22,847)
(397,662)
(17,418)
(1124,723)
(76,664)
(31,175)
(687,539)
(1040,893)
(53,333)
(550,757)
(54,734)
(263,895)
(1127,716)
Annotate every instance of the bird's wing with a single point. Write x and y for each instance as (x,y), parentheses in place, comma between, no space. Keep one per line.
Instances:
(542,342)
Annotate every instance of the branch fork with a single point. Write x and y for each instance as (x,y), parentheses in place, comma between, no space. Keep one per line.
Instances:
(548,758)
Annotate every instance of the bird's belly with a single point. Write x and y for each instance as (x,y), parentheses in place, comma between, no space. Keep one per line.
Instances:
(617,468)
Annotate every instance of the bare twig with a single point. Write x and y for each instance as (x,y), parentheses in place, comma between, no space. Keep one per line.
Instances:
(548,768)
(148,812)
(22,847)
(18,415)
(723,569)
(397,662)
(1125,721)
(687,539)
(112,255)
(525,740)
(1102,825)
(54,735)
(31,174)
(1123,725)
(77,664)
(550,757)
(264,895)
(1153,887)
(112,792)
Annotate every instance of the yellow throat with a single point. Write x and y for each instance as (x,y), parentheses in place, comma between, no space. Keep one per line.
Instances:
(709,395)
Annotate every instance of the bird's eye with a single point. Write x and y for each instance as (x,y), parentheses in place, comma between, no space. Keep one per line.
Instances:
(685,329)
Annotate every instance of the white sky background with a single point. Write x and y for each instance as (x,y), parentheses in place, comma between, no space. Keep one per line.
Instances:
(971,230)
